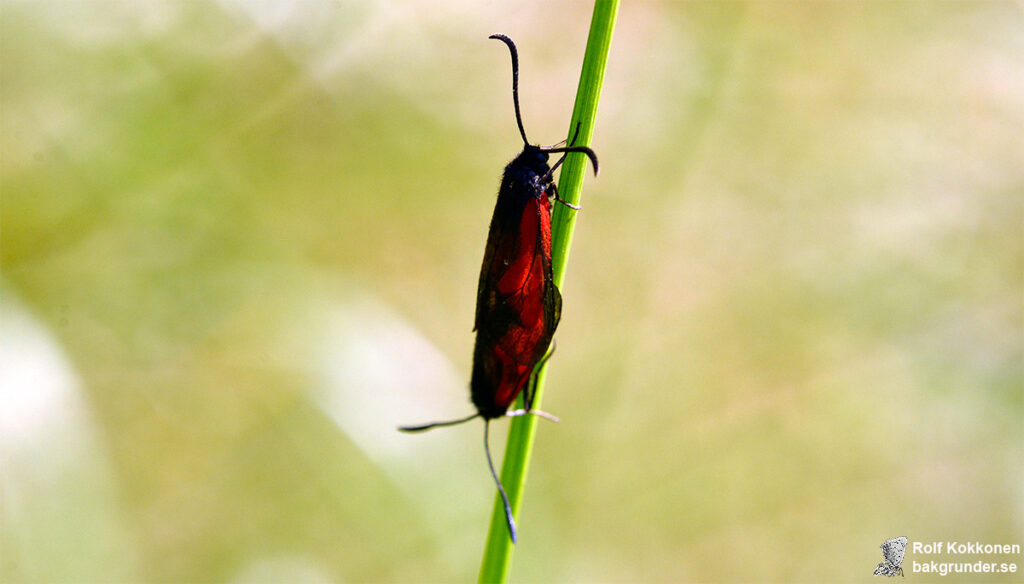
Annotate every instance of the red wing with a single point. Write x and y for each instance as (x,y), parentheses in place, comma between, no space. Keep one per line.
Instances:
(518,305)
(516,271)
(518,246)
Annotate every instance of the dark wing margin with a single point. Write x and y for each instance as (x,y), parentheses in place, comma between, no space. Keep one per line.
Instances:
(552,306)
(490,274)
(481,289)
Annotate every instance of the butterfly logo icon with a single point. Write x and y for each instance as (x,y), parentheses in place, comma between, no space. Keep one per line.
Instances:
(893,550)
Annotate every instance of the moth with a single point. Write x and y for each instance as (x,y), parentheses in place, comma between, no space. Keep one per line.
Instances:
(518,305)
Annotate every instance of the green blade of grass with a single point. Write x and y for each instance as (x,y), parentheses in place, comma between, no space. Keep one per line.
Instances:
(497,558)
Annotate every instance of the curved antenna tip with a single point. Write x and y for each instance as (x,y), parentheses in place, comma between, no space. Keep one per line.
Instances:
(432,425)
(515,81)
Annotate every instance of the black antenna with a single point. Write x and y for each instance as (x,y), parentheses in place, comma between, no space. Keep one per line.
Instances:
(519,117)
(504,498)
(437,424)
(515,81)
(590,153)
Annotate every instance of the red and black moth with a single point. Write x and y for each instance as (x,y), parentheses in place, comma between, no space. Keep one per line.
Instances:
(518,305)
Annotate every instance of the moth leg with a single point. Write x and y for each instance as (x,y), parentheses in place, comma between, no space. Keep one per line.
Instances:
(554,190)
(531,385)
(531,389)
(544,415)
(567,142)
(544,359)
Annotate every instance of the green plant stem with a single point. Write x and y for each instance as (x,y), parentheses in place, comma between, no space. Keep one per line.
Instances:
(497,558)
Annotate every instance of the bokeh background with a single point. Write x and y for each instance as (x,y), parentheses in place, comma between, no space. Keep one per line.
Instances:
(241,241)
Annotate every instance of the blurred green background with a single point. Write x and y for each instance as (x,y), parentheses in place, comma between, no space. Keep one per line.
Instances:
(241,241)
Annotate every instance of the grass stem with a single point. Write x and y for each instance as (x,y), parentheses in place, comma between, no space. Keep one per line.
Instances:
(497,558)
